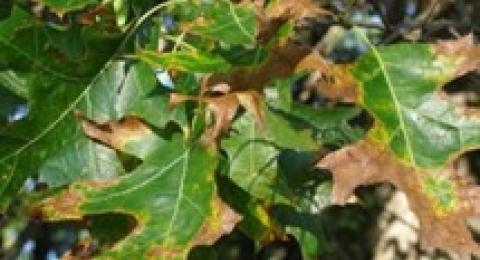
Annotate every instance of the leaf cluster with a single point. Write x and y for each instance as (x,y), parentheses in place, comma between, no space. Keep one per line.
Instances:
(182,116)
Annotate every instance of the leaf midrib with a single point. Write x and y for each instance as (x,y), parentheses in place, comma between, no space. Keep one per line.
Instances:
(145,182)
(394,98)
(237,21)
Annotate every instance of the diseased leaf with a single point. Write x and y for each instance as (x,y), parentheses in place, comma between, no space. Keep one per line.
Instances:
(256,222)
(130,135)
(427,191)
(295,9)
(416,136)
(170,195)
(222,221)
(333,81)
(224,108)
(420,127)
(50,139)
(465,53)
(279,63)
(274,166)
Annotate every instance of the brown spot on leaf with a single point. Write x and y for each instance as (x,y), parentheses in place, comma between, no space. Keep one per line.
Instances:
(85,249)
(61,207)
(114,134)
(364,163)
(222,221)
(97,184)
(462,48)
(159,252)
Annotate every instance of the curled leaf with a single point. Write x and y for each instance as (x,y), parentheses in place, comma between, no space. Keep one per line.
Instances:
(224,108)
(130,135)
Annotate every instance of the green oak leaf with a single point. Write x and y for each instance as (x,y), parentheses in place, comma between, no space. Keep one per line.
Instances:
(75,54)
(185,60)
(50,139)
(400,86)
(170,195)
(17,20)
(224,21)
(330,124)
(274,165)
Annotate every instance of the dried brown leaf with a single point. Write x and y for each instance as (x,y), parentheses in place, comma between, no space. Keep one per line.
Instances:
(332,81)
(294,9)
(85,249)
(464,50)
(223,221)
(114,134)
(224,108)
(281,62)
(364,163)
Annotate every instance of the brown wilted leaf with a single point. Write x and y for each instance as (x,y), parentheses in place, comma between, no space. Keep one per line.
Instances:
(114,134)
(364,163)
(281,62)
(224,108)
(85,249)
(222,221)
(332,81)
(294,9)
(464,50)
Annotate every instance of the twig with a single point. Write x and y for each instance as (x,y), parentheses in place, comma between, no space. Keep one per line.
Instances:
(381,12)
(432,9)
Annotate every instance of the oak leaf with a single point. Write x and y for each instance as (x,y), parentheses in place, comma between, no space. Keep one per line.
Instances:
(224,108)
(294,9)
(171,196)
(416,136)
(130,135)
(331,80)
(280,62)
(364,163)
